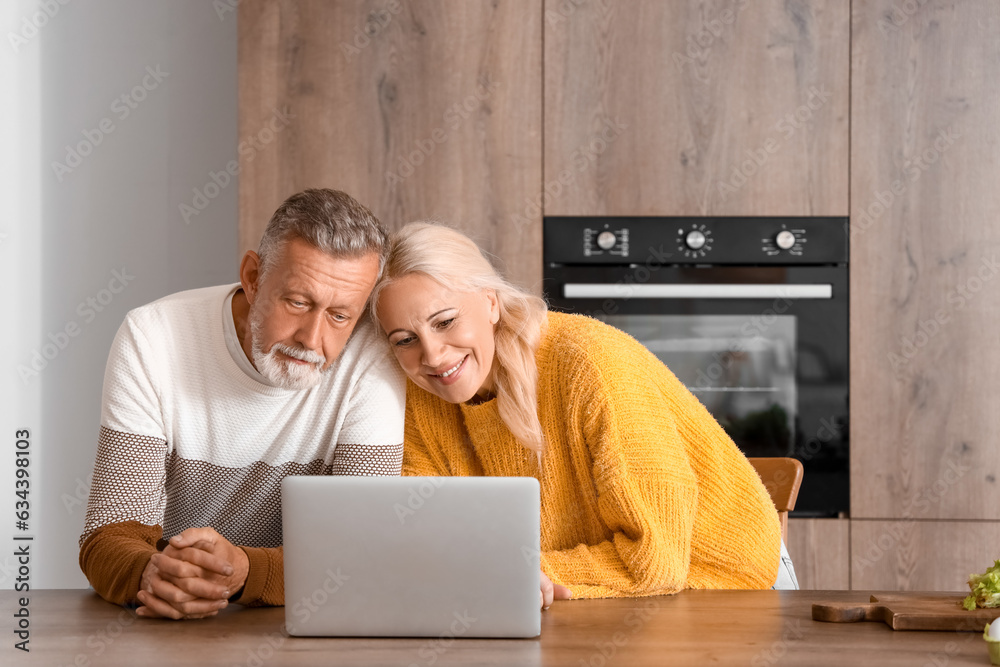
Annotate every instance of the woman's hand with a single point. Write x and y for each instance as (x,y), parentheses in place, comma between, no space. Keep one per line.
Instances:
(552,592)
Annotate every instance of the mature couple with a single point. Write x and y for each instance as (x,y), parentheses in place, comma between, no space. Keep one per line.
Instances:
(212,396)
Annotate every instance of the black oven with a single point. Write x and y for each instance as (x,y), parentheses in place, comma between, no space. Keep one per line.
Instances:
(751,314)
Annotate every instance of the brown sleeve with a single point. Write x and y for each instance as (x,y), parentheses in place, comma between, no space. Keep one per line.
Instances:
(265,584)
(114,556)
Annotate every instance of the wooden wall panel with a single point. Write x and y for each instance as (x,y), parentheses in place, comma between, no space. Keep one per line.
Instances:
(820,550)
(920,555)
(419,109)
(925,242)
(699,94)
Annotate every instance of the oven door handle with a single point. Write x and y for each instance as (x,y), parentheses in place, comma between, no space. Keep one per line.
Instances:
(699,291)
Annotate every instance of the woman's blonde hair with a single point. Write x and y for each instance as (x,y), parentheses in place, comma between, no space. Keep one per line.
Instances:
(453,259)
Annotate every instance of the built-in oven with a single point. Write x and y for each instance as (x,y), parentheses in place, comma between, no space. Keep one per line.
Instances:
(750,313)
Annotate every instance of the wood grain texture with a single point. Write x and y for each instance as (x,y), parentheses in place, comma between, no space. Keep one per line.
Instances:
(821,552)
(418,109)
(920,555)
(754,628)
(909,611)
(925,303)
(699,88)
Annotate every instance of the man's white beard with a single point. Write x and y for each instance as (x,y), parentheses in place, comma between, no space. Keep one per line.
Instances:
(283,373)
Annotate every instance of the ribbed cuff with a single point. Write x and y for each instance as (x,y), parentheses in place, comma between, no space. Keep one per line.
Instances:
(257,576)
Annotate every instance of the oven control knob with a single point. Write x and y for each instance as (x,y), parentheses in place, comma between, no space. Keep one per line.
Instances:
(606,240)
(695,240)
(784,240)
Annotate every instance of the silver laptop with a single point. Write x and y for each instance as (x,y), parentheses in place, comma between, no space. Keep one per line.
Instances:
(411,556)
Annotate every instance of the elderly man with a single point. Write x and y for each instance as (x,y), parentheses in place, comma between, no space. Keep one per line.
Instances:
(212,396)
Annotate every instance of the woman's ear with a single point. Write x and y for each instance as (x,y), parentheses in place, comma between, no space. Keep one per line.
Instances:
(494,306)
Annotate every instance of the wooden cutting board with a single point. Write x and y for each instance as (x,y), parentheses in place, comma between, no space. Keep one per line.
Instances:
(909,611)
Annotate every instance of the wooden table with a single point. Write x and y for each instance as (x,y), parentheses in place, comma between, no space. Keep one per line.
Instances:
(754,628)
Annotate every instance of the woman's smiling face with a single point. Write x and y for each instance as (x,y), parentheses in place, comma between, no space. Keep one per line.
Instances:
(442,338)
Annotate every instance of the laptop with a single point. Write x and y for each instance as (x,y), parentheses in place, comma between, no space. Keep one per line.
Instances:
(411,556)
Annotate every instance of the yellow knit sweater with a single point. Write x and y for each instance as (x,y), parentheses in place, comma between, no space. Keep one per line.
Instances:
(642,492)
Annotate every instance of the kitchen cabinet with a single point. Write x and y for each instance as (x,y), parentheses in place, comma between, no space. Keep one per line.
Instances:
(925,242)
(695,108)
(821,552)
(920,555)
(417,109)
(925,129)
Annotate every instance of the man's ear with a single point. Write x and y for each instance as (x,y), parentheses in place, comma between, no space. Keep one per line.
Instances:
(250,275)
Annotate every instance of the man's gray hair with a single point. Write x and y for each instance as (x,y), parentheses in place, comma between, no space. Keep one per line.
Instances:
(330,220)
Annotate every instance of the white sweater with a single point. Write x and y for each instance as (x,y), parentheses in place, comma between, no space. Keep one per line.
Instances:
(191,435)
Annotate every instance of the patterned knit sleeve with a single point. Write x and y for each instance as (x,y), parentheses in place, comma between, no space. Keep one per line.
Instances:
(671,489)
(127,497)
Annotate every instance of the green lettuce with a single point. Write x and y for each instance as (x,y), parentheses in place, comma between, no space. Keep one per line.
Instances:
(985,589)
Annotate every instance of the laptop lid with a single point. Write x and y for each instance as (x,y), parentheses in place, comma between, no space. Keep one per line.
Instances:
(411,556)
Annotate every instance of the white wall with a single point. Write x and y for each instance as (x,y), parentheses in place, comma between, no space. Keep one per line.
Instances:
(82,245)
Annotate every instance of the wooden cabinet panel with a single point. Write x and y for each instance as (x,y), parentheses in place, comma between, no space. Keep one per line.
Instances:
(418,109)
(920,555)
(925,309)
(820,551)
(696,108)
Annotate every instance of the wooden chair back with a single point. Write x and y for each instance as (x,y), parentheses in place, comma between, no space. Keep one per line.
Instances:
(782,478)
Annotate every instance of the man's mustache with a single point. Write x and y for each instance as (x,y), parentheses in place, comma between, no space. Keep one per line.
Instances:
(300,353)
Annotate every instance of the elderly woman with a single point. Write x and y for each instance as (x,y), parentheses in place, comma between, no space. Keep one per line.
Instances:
(642,492)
